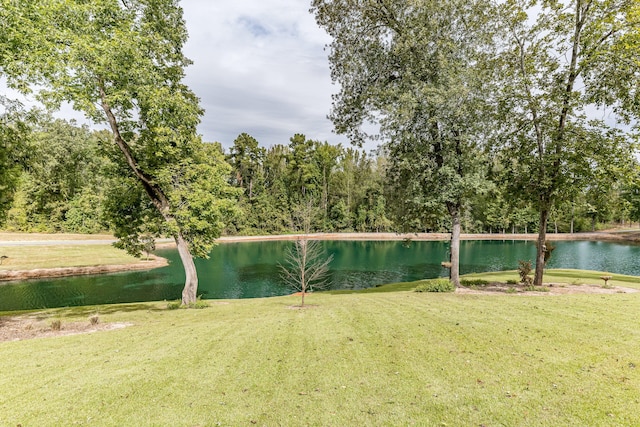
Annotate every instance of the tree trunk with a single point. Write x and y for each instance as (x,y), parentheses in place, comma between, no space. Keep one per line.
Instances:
(572,214)
(454,272)
(159,200)
(189,293)
(540,247)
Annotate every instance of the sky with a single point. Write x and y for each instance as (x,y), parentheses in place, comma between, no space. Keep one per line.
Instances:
(260,67)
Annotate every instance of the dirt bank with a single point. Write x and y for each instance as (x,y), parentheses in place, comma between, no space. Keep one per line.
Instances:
(629,236)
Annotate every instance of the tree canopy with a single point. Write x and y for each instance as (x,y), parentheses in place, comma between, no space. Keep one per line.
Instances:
(561,60)
(121,63)
(421,72)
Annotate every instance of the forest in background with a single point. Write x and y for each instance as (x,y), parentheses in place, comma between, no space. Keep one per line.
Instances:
(302,185)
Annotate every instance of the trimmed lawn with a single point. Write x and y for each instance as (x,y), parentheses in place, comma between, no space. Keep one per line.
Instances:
(30,237)
(32,257)
(376,358)
(568,276)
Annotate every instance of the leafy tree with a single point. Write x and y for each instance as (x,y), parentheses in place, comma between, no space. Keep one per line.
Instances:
(418,69)
(302,172)
(562,58)
(121,63)
(353,178)
(246,159)
(326,158)
(631,194)
(13,134)
(64,168)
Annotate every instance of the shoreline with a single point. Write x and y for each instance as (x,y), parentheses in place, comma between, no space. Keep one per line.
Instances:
(626,236)
(157,262)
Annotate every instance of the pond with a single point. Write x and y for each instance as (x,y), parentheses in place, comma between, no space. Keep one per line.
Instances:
(250,270)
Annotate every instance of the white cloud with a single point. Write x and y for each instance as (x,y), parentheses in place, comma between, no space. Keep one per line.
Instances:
(259,67)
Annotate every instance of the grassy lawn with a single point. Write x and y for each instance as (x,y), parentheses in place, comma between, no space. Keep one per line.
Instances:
(568,276)
(376,358)
(30,237)
(31,257)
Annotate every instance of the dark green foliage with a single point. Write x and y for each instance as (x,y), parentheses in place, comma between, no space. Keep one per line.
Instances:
(14,133)
(435,285)
(54,193)
(198,304)
(474,282)
(62,187)
(532,288)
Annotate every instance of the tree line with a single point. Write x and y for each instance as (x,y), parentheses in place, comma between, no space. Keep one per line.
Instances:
(67,181)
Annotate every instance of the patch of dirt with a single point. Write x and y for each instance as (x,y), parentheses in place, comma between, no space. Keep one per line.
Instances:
(17,328)
(547,289)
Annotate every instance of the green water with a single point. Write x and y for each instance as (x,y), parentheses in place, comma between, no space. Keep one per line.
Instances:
(249,270)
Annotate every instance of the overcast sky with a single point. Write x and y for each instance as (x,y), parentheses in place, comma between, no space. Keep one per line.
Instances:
(259,67)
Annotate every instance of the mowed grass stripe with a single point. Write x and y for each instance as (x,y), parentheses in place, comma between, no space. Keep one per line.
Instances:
(359,359)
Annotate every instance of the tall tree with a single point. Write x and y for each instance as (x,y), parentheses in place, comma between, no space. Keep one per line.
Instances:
(562,59)
(246,159)
(121,63)
(418,69)
(326,157)
(302,171)
(13,133)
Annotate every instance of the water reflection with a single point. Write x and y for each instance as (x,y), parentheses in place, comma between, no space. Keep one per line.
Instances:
(249,270)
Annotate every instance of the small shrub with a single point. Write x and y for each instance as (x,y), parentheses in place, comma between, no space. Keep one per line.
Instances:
(532,288)
(435,285)
(474,282)
(511,290)
(511,282)
(199,304)
(174,305)
(94,320)
(524,269)
(56,324)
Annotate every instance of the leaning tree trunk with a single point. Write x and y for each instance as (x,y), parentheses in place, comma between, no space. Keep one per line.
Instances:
(189,293)
(540,247)
(159,200)
(454,272)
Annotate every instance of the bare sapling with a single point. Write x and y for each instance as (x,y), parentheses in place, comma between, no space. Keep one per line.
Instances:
(306,267)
